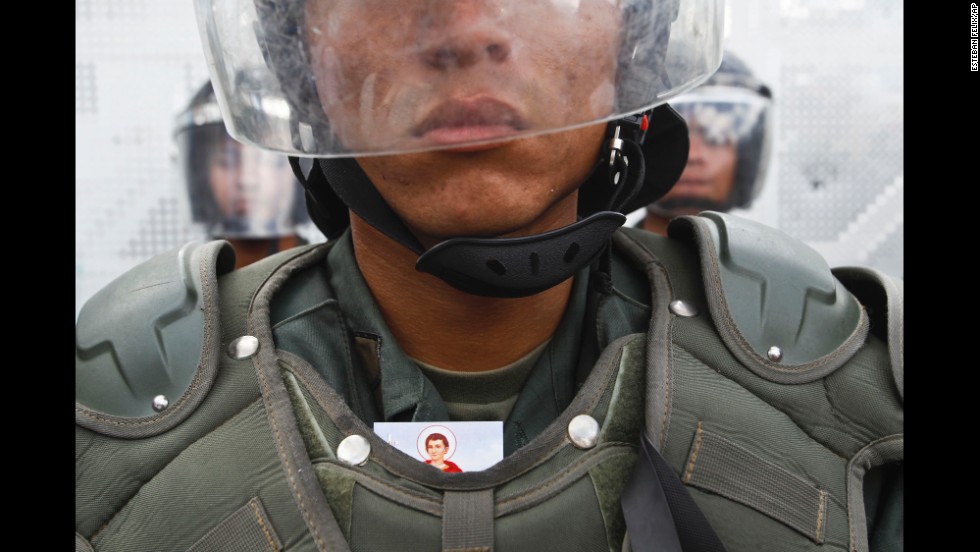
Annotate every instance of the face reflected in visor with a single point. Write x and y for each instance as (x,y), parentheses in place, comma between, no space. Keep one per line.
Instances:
(348,78)
(430,74)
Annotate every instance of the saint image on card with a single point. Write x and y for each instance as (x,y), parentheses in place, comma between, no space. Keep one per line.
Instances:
(438,443)
(452,447)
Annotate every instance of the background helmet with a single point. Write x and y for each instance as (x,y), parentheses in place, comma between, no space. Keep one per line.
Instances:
(234,190)
(332,85)
(731,108)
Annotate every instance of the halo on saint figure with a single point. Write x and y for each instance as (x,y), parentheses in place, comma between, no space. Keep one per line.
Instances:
(429,430)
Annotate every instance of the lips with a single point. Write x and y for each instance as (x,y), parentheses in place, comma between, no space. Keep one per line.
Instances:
(458,121)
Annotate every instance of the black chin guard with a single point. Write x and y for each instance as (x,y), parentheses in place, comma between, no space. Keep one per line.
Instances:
(518,267)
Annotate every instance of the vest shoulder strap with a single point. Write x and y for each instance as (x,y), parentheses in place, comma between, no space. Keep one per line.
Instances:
(146,345)
(777,305)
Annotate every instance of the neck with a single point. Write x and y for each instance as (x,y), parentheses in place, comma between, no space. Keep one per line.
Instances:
(249,250)
(656,223)
(437,324)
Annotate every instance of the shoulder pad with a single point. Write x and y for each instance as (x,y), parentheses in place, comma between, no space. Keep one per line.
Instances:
(150,337)
(884,298)
(775,302)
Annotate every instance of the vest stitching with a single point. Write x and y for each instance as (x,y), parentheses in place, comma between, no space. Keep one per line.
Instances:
(284,456)
(265,530)
(694,455)
(669,364)
(283,270)
(114,514)
(651,266)
(611,446)
(820,513)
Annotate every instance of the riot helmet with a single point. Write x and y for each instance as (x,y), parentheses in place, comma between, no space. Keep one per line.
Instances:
(235,191)
(730,121)
(346,79)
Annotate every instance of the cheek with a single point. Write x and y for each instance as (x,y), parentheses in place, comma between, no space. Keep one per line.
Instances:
(332,34)
(222,184)
(357,72)
(273,189)
(327,73)
(722,174)
(335,83)
(722,161)
(729,176)
(588,61)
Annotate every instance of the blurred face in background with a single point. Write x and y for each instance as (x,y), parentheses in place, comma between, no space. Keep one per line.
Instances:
(708,178)
(252,188)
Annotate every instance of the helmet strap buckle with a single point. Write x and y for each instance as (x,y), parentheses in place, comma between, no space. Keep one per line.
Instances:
(618,163)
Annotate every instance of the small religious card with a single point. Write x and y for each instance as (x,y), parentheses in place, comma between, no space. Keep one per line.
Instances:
(453,447)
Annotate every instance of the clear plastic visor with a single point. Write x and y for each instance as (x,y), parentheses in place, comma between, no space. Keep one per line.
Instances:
(719,115)
(236,190)
(327,78)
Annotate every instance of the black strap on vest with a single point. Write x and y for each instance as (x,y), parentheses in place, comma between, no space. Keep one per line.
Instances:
(660,514)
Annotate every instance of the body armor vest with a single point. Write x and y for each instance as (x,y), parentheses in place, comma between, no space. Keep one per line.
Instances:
(254,450)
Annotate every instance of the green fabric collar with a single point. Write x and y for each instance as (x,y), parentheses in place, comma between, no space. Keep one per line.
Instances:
(590,322)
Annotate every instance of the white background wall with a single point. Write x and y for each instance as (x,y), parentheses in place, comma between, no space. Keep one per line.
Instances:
(835,67)
(836,70)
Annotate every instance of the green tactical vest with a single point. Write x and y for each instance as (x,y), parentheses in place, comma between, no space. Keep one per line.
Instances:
(765,384)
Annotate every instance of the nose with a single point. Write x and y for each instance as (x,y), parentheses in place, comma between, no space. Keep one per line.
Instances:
(254,167)
(463,33)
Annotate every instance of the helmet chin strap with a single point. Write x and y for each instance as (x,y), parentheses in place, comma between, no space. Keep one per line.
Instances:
(497,267)
(518,267)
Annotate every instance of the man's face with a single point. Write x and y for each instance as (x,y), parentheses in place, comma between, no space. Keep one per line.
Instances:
(708,178)
(415,75)
(419,74)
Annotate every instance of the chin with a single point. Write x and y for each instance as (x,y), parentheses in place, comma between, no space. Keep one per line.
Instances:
(437,232)
(504,216)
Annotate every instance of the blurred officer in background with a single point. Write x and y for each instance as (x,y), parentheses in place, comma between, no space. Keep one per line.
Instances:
(239,193)
(730,122)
